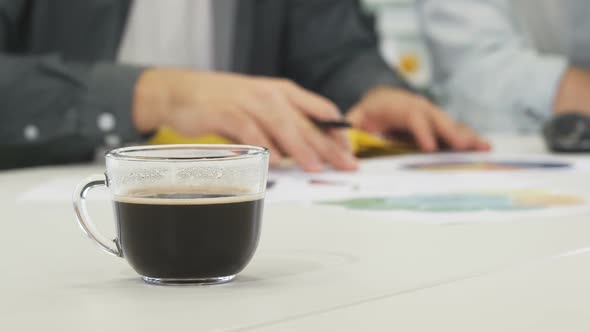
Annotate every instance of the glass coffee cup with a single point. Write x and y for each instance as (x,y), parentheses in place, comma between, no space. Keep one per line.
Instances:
(185,214)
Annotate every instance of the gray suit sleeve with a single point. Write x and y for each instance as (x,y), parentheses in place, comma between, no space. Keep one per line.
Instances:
(55,112)
(332,49)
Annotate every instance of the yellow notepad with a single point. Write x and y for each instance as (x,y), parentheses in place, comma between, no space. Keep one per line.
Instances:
(363,143)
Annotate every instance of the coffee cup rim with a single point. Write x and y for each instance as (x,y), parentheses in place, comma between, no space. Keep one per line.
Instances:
(125,153)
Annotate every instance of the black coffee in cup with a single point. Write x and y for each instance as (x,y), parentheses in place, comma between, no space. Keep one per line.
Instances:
(175,234)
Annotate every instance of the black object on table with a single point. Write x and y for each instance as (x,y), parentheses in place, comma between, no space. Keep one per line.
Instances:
(568,132)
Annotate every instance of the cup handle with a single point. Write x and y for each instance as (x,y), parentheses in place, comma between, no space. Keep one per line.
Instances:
(79,200)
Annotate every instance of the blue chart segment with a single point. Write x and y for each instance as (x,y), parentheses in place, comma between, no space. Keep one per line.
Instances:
(505,165)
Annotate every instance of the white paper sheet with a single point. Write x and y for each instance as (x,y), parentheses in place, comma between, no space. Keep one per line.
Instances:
(388,164)
(388,179)
(479,194)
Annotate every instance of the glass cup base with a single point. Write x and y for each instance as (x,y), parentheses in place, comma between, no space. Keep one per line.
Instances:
(188,282)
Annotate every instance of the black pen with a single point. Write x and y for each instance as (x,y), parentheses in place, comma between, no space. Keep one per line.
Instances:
(333,124)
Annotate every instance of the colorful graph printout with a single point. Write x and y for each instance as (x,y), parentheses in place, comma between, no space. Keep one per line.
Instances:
(462,202)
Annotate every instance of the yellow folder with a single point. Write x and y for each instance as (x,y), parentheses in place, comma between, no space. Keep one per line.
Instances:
(363,143)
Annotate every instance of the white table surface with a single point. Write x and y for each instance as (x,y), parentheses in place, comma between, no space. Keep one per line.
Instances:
(315,269)
(545,295)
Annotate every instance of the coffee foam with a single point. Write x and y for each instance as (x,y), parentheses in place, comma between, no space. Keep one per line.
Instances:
(145,196)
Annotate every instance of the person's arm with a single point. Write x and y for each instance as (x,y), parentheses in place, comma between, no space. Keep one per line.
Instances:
(53,112)
(493,78)
(332,49)
(56,112)
(574,92)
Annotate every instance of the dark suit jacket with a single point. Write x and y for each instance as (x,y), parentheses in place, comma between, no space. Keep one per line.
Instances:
(58,75)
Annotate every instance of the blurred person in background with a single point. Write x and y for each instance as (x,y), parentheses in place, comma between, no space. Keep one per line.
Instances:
(77,75)
(509,65)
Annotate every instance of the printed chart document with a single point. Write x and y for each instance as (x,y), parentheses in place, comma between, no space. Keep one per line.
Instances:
(443,188)
(435,188)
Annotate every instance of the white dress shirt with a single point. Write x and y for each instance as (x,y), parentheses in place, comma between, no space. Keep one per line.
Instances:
(171,33)
(498,63)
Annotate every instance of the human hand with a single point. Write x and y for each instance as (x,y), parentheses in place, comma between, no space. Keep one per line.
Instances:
(572,94)
(390,111)
(269,112)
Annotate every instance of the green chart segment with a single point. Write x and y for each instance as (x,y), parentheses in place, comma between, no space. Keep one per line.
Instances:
(461,202)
